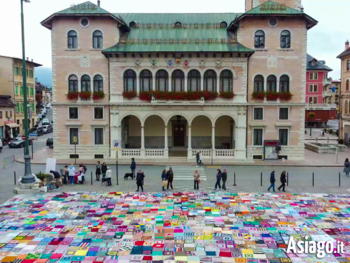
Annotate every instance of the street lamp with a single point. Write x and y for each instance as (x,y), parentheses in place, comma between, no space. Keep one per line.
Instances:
(28,177)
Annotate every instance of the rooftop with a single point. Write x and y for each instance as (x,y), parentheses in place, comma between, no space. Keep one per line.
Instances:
(27,61)
(319,64)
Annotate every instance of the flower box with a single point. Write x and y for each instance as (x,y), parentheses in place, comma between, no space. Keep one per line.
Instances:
(258,95)
(85,95)
(228,95)
(129,95)
(285,96)
(145,95)
(210,95)
(72,95)
(98,95)
(271,96)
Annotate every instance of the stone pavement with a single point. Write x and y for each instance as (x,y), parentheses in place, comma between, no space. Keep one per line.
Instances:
(192,227)
(312,159)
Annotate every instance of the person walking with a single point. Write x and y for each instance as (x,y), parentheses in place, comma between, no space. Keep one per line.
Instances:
(140,180)
(170,174)
(283,181)
(197,158)
(200,159)
(133,167)
(103,170)
(196,176)
(164,179)
(108,177)
(218,179)
(71,173)
(272,182)
(65,175)
(98,171)
(347,167)
(224,179)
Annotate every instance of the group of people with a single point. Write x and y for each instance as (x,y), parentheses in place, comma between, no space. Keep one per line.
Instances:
(167,179)
(283,180)
(70,175)
(105,171)
(199,159)
(221,176)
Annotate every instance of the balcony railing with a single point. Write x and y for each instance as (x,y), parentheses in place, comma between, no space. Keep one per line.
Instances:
(321,107)
(326,94)
(327,81)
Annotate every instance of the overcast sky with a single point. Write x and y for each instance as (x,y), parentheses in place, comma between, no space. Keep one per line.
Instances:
(325,41)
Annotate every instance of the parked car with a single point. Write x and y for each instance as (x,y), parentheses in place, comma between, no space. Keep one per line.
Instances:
(18,142)
(5,141)
(39,117)
(47,129)
(45,122)
(49,142)
(39,131)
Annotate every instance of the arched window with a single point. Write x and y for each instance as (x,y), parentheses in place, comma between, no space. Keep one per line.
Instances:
(348,65)
(259,83)
(98,83)
(284,83)
(177,81)
(85,83)
(346,107)
(194,80)
(97,39)
(223,24)
(285,39)
(271,83)
(129,80)
(178,24)
(226,77)
(72,39)
(259,39)
(210,80)
(73,83)
(162,79)
(347,85)
(146,80)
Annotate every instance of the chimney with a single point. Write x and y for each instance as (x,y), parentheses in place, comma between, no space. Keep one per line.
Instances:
(32,60)
(98,3)
(302,9)
(347,45)
(27,58)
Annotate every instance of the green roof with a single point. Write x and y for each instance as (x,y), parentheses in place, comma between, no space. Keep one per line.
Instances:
(199,33)
(272,8)
(84,8)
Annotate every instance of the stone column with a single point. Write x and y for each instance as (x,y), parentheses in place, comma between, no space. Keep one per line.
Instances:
(185,80)
(169,82)
(241,135)
(202,83)
(218,84)
(138,84)
(166,147)
(142,142)
(154,83)
(213,137)
(189,147)
(115,131)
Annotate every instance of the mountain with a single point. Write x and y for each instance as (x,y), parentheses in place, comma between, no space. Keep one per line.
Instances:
(44,76)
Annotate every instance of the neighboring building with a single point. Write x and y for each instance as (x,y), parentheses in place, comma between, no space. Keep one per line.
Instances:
(7,113)
(11,81)
(128,55)
(319,94)
(40,96)
(336,84)
(345,93)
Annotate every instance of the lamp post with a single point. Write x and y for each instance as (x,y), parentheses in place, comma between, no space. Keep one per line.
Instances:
(28,177)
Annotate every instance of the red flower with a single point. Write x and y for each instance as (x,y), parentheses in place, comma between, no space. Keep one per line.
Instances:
(72,95)
(227,95)
(98,95)
(85,95)
(272,96)
(129,94)
(145,96)
(258,95)
(285,96)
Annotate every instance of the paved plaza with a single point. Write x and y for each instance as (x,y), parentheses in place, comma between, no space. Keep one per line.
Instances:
(170,227)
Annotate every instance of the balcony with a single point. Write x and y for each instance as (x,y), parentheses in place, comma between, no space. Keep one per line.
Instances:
(326,94)
(327,82)
(321,107)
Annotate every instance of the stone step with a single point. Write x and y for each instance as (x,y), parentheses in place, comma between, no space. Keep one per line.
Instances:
(20,191)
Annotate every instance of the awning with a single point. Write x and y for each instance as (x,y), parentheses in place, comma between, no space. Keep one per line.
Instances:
(12,125)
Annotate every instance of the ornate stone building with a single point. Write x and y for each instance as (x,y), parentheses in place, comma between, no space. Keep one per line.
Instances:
(168,85)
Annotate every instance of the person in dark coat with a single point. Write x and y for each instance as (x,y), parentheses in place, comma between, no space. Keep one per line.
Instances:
(170,174)
(164,178)
(103,170)
(57,178)
(218,179)
(224,179)
(140,180)
(98,171)
(347,167)
(272,181)
(283,181)
(133,167)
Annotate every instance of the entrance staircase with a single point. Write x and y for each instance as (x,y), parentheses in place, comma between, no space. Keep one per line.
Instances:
(185,173)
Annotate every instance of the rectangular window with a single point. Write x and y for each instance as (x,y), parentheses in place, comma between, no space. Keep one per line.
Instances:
(27,91)
(258,137)
(313,76)
(21,71)
(283,136)
(74,156)
(11,114)
(313,88)
(7,114)
(21,91)
(312,100)
(98,113)
(22,107)
(99,136)
(73,132)
(17,107)
(258,113)
(16,90)
(73,113)
(32,91)
(32,106)
(99,156)
(284,112)
(0,115)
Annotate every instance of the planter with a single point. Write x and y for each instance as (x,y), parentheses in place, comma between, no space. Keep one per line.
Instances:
(228,95)
(129,95)
(85,95)
(271,96)
(72,95)
(258,96)
(285,96)
(98,95)
(145,96)
(210,95)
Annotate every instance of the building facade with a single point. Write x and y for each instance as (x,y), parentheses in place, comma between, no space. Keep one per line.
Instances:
(345,93)
(11,84)
(7,113)
(168,85)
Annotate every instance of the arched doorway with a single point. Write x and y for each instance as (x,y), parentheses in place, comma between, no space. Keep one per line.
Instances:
(131,132)
(154,133)
(225,133)
(201,133)
(178,136)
